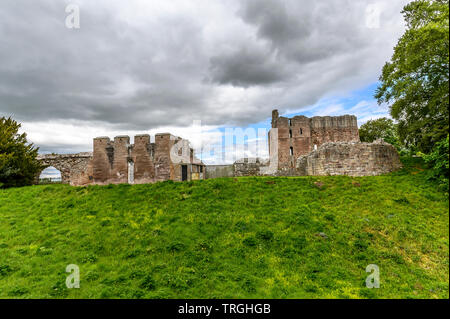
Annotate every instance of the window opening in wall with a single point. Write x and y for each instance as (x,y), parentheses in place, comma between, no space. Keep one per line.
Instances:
(291,151)
(301,131)
(290,122)
(290,133)
(130,172)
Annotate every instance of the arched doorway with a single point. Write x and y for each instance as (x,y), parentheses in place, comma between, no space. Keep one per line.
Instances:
(50,175)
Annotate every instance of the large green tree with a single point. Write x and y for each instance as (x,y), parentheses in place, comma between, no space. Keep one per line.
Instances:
(18,164)
(415,82)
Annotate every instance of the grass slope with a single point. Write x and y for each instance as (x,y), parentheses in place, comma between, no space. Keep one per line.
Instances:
(256,237)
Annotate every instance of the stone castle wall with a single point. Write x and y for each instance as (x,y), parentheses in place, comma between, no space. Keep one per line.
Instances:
(71,166)
(347,158)
(242,167)
(249,167)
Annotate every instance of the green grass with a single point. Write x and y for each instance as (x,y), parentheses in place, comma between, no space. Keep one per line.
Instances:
(254,237)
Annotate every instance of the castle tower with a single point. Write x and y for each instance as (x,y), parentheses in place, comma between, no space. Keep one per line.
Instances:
(142,158)
(102,159)
(301,135)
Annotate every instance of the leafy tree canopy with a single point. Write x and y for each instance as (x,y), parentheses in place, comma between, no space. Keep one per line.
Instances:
(18,164)
(415,81)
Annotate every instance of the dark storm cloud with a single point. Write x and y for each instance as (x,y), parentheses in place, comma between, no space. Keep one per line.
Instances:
(144,64)
(247,67)
(299,32)
(275,20)
(107,70)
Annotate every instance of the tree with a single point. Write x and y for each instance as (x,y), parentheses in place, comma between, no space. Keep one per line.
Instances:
(376,129)
(380,128)
(415,81)
(18,163)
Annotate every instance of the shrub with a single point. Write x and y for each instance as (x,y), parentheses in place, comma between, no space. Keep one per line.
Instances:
(438,161)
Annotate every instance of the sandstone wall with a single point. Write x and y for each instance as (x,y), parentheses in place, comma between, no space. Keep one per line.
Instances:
(162,157)
(350,158)
(334,129)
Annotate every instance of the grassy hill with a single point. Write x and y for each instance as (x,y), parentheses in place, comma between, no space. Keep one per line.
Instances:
(255,237)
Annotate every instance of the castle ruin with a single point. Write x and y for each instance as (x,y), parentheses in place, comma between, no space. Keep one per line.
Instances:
(298,146)
(321,145)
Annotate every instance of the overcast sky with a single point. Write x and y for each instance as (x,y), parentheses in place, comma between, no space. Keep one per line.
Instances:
(140,66)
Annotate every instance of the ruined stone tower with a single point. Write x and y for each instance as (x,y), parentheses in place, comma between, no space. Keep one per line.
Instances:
(290,138)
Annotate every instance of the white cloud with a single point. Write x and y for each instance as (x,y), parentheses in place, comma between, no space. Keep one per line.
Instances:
(369,110)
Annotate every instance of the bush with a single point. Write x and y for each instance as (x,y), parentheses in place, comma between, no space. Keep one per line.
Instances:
(18,163)
(438,161)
